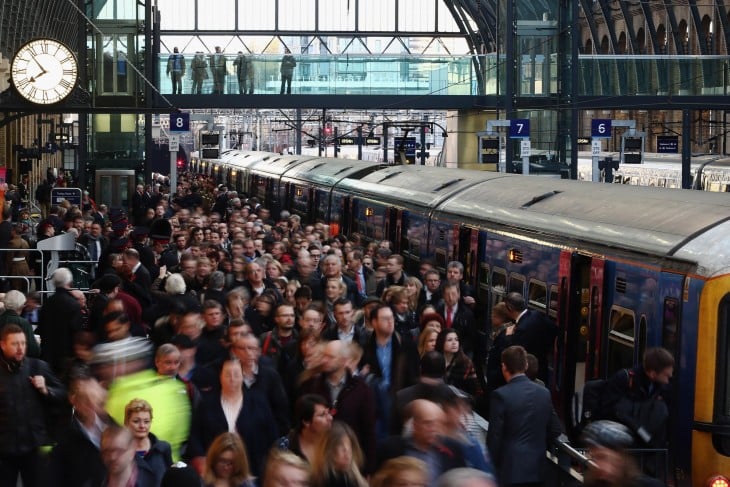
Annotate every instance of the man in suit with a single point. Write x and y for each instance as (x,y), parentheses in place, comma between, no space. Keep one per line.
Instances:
(458,316)
(332,269)
(455,275)
(344,328)
(141,284)
(96,243)
(532,330)
(431,291)
(364,278)
(58,322)
(522,422)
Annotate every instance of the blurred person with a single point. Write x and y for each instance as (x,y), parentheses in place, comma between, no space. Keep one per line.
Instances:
(401,471)
(60,319)
(226,463)
(285,469)
(312,421)
(339,459)
(611,465)
(500,322)
(466,477)
(122,464)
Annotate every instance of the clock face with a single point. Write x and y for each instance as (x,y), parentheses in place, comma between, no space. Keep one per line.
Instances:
(44,71)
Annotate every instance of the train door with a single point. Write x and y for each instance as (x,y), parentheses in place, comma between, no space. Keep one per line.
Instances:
(467,253)
(114,187)
(578,350)
(393,227)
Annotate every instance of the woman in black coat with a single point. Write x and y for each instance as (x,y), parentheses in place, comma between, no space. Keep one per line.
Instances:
(154,452)
(230,410)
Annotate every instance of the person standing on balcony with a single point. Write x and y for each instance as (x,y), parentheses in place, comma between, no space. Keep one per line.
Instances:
(218,67)
(288,63)
(176,70)
(199,72)
(244,73)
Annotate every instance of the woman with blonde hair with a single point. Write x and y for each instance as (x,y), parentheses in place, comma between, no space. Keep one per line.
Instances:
(226,464)
(338,459)
(427,340)
(156,454)
(413,290)
(401,471)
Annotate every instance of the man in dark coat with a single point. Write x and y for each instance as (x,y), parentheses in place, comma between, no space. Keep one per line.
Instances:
(522,423)
(532,330)
(400,353)
(349,397)
(59,320)
(76,459)
(28,389)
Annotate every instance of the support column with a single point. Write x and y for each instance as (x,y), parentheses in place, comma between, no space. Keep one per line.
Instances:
(686,149)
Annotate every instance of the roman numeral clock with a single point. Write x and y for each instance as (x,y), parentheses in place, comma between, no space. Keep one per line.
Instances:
(44,71)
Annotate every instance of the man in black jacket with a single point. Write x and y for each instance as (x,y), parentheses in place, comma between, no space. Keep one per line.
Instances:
(28,389)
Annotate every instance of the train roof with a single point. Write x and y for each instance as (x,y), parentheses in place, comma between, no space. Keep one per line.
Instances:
(278,165)
(328,172)
(243,159)
(416,185)
(649,220)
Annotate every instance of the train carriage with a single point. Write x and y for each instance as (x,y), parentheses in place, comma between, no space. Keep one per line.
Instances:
(620,268)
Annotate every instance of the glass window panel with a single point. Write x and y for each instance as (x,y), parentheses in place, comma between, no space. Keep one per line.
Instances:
(446,22)
(516,283)
(297,14)
(256,15)
(119,10)
(336,15)
(670,326)
(423,21)
(177,14)
(538,294)
(219,18)
(377,15)
(499,281)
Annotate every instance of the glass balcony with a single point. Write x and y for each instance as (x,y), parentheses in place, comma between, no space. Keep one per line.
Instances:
(609,75)
(342,75)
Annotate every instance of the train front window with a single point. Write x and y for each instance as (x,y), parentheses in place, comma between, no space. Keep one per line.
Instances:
(621,339)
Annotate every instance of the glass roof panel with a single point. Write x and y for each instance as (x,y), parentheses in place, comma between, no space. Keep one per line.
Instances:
(177,14)
(377,15)
(256,15)
(336,15)
(297,14)
(425,21)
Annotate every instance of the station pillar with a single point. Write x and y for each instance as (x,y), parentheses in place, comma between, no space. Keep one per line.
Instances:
(461,144)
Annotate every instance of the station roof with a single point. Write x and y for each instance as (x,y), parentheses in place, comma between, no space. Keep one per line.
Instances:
(24,20)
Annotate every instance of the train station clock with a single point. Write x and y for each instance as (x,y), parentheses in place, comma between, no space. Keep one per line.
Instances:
(44,71)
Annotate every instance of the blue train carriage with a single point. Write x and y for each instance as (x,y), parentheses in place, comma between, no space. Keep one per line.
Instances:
(309,187)
(621,269)
(266,183)
(396,203)
(232,167)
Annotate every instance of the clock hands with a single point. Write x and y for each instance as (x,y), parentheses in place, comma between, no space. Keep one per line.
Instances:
(43,71)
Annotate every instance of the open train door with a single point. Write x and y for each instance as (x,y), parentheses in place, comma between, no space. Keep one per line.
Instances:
(578,347)
(467,254)
(393,227)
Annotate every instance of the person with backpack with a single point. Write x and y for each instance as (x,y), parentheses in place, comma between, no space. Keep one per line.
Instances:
(638,397)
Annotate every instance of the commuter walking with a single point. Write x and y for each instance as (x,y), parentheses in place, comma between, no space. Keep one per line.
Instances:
(288,63)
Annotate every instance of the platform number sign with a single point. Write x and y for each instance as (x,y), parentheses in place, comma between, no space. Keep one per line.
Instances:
(519,128)
(601,128)
(180,122)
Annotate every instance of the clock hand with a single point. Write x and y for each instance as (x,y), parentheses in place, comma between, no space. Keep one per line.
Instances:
(43,71)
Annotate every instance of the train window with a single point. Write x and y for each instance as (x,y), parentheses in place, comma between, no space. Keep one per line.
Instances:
(499,283)
(483,279)
(553,311)
(517,283)
(670,325)
(620,340)
(537,295)
(642,336)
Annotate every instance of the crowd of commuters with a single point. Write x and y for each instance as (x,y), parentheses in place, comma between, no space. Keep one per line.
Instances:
(260,350)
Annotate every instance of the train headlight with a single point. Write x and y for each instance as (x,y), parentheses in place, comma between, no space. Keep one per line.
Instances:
(718,481)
